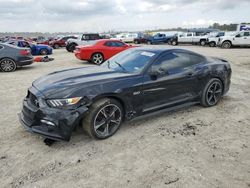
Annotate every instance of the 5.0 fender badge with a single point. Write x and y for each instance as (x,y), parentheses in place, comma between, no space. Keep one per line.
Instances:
(136,93)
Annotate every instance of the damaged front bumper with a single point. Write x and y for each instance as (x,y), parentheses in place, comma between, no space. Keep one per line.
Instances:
(52,123)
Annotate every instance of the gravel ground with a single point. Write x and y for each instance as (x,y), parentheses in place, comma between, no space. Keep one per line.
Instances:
(193,147)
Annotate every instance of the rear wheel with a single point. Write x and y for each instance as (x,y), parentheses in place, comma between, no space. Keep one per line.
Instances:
(174,42)
(56,46)
(203,43)
(8,65)
(44,52)
(103,119)
(226,45)
(97,58)
(212,93)
(71,47)
(212,44)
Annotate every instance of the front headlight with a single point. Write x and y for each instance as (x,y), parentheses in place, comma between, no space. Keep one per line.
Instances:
(64,103)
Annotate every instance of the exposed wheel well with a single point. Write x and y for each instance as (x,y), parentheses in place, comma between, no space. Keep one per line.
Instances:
(227,41)
(7,58)
(115,98)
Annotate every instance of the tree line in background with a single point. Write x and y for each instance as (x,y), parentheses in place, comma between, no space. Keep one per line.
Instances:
(224,27)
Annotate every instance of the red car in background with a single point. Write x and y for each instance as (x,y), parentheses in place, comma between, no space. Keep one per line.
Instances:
(100,50)
(61,42)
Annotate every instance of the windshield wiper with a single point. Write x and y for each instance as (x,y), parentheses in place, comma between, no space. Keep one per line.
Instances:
(120,66)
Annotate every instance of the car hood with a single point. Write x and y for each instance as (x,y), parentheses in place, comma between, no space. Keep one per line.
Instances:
(63,84)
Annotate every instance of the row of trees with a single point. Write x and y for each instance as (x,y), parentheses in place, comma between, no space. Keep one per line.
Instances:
(224,27)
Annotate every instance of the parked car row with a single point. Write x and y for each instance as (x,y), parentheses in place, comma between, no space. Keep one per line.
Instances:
(220,39)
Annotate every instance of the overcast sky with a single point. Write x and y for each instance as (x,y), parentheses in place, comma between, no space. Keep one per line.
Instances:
(104,15)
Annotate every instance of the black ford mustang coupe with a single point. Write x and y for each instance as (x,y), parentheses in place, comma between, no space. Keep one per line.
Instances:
(132,83)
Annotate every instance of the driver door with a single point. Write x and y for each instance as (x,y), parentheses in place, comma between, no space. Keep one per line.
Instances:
(170,80)
(243,38)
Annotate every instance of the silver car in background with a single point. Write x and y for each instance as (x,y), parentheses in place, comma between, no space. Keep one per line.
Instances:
(12,57)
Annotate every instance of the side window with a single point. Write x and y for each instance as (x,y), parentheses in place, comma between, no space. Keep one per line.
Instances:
(246,34)
(119,44)
(85,37)
(196,59)
(174,62)
(25,44)
(108,44)
(189,34)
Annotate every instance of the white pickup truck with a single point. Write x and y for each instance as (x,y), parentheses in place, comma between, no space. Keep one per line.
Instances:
(241,38)
(213,38)
(189,38)
(82,40)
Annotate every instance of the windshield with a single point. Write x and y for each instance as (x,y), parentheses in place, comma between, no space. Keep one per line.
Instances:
(130,61)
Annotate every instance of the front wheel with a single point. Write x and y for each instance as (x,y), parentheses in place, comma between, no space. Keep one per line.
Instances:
(103,119)
(212,93)
(56,46)
(8,65)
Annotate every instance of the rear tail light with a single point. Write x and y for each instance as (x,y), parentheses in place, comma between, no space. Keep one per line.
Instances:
(24,52)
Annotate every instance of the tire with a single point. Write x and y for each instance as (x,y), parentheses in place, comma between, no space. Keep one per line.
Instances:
(103,118)
(7,65)
(97,58)
(212,44)
(212,93)
(174,43)
(226,45)
(203,43)
(44,52)
(71,47)
(56,46)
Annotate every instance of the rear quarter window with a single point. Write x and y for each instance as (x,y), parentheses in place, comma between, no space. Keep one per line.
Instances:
(196,59)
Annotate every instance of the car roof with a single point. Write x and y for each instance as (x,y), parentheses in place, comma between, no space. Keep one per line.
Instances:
(162,49)
(9,45)
(111,40)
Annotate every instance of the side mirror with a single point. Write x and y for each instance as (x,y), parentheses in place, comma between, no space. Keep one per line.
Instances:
(155,72)
(237,35)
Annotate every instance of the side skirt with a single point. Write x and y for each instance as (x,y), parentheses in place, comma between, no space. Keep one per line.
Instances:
(158,112)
